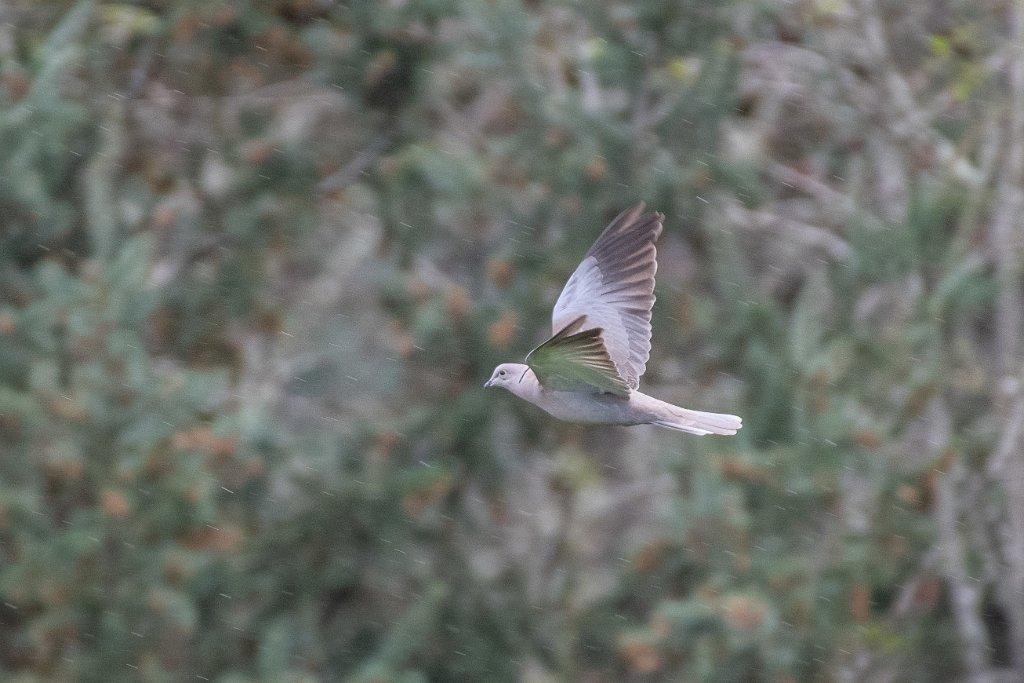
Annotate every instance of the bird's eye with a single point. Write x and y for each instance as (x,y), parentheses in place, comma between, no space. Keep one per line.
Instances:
(501,373)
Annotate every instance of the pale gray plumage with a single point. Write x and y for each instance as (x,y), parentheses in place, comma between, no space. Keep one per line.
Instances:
(589,370)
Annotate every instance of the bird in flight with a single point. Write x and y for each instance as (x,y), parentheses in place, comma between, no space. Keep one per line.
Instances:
(589,370)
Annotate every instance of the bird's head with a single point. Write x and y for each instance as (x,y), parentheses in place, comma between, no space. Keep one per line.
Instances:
(507,376)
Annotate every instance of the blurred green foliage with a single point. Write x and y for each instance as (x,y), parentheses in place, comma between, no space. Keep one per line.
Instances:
(256,259)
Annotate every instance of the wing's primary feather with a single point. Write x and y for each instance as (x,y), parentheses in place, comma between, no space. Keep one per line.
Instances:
(576,361)
(613,290)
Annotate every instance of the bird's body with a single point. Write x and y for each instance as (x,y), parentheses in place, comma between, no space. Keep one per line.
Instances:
(611,409)
(589,370)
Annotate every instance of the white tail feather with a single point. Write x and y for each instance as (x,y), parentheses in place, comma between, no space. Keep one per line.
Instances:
(699,422)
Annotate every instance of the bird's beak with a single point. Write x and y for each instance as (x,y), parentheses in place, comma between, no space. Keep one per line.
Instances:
(488,383)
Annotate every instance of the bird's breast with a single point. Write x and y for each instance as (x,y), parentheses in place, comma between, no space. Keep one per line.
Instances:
(587,408)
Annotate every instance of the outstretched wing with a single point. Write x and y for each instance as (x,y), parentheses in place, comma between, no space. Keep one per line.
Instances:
(613,289)
(576,361)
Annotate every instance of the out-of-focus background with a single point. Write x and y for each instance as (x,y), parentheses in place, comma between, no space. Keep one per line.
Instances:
(257,259)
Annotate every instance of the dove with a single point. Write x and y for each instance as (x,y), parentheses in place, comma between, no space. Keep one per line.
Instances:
(589,370)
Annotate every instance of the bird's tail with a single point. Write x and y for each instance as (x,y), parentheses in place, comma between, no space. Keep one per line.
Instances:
(698,422)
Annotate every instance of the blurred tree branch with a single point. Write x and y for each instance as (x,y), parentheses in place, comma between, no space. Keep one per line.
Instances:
(1007,241)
